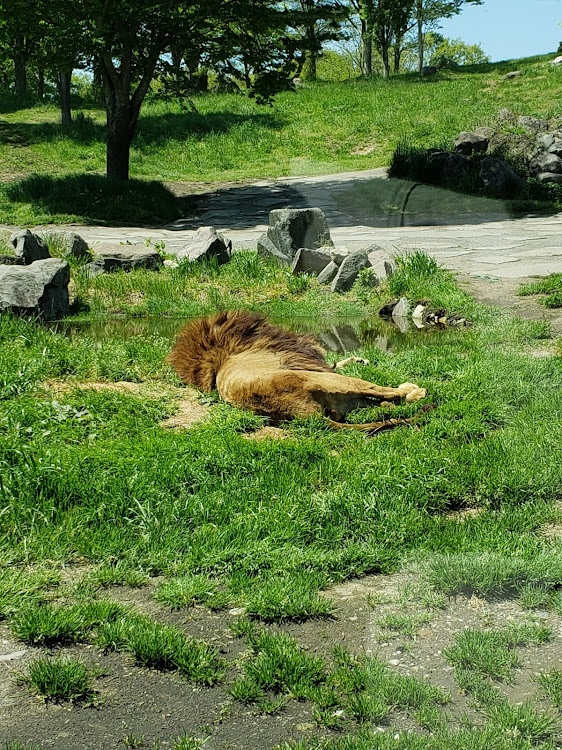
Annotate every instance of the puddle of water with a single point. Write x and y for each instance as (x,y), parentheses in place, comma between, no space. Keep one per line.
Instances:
(338,336)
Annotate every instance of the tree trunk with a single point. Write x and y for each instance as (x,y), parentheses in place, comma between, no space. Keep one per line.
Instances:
(63,86)
(20,73)
(366,49)
(419,19)
(397,55)
(119,138)
(40,83)
(385,62)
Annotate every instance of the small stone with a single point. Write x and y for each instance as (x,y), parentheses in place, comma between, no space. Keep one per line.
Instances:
(557,60)
(168,263)
(401,309)
(338,254)
(237,611)
(417,316)
(394,662)
(306,726)
(512,74)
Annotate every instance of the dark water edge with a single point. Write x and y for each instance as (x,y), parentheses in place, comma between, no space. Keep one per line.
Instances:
(335,335)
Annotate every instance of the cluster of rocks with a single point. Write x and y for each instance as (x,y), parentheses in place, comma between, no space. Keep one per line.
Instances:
(299,238)
(401,312)
(536,150)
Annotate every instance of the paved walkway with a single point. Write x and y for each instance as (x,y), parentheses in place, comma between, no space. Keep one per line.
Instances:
(490,250)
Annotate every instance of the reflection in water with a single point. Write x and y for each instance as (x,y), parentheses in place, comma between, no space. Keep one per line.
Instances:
(335,336)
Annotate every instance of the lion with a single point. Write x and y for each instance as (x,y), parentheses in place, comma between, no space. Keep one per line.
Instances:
(276,373)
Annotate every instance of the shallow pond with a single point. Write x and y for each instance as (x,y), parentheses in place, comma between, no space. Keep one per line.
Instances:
(339,336)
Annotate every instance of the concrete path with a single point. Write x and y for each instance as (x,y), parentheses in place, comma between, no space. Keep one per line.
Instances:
(476,237)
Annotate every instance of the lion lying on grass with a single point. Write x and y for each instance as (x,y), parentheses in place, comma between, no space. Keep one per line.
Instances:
(275,373)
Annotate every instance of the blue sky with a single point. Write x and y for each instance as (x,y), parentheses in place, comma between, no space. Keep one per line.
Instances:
(507,29)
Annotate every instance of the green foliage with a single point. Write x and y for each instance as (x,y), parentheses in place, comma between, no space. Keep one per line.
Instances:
(551,683)
(59,679)
(191,589)
(459,52)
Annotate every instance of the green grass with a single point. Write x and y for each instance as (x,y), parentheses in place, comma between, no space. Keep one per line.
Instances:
(550,288)
(59,679)
(320,129)
(491,652)
(551,683)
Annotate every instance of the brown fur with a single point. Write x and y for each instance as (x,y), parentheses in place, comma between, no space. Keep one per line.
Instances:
(273,372)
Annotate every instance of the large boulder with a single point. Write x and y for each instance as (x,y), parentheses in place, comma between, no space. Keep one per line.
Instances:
(545,162)
(349,271)
(500,178)
(206,243)
(311,260)
(40,288)
(468,143)
(109,258)
(449,167)
(29,247)
(75,246)
(291,229)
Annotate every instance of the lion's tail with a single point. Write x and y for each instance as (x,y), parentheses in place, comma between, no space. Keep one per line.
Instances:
(371,428)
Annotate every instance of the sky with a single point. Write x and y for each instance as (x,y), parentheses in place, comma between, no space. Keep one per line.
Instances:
(507,29)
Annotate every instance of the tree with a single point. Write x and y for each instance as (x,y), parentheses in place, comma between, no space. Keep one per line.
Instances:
(127,39)
(19,34)
(459,52)
(428,13)
(315,22)
(383,22)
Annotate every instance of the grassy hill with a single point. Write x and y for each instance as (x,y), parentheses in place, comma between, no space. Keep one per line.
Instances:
(322,128)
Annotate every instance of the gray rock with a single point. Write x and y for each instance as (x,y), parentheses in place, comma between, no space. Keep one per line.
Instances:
(109,258)
(40,288)
(11,260)
(532,124)
(75,246)
(556,147)
(310,260)
(468,143)
(544,141)
(417,316)
(349,270)
(512,74)
(168,263)
(383,269)
(485,131)
(545,163)
(450,166)
(339,254)
(549,177)
(328,274)
(291,229)
(30,247)
(401,309)
(557,60)
(206,243)
(499,177)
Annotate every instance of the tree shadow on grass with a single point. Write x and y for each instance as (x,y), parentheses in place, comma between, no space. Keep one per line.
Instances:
(152,129)
(94,199)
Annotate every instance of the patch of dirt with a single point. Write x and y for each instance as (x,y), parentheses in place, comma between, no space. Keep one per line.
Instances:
(190,409)
(503,293)
(160,707)
(268,433)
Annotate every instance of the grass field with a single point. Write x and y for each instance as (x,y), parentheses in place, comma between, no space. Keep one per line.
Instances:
(96,495)
(320,129)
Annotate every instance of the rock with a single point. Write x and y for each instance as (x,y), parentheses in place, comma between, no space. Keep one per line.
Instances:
(291,229)
(532,124)
(310,260)
(428,70)
(206,243)
(544,141)
(449,167)
(349,270)
(328,274)
(557,60)
(468,143)
(168,263)
(556,146)
(512,74)
(500,177)
(401,309)
(109,258)
(11,260)
(75,246)
(552,177)
(339,254)
(383,269)
(545,163)
(485,131)
(417,316)
(40,288)
(386,310)
(30,247)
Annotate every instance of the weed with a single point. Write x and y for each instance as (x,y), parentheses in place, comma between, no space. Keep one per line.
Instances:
(522,720)
(189,590)
(551,683)
(59,679)
(403,623)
